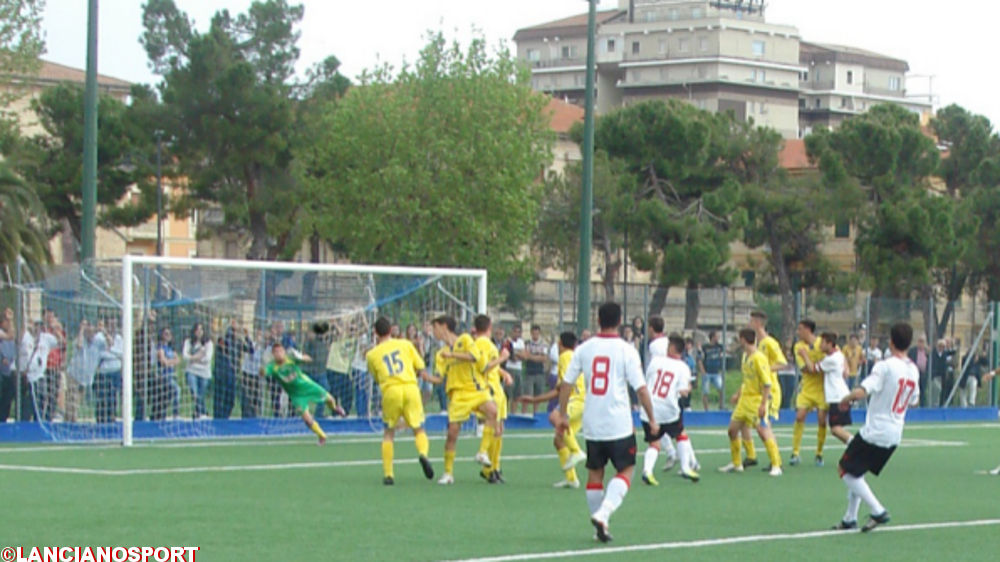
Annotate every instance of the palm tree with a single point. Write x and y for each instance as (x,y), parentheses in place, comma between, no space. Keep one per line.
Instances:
(22,231)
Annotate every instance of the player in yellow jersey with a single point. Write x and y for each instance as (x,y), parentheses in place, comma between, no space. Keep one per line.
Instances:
(491,443)
(465,385)
(776,361)
(808,353)
(395,364)
(566,444)
(752,405)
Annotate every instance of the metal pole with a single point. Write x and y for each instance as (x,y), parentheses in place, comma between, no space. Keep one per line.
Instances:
(560,285)
(725,324)
(995,338)
(587,193)
(128,333)
(159,194)
(89,219)
(625,282)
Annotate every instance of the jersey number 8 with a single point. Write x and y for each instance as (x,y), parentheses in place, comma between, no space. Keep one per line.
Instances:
(599,376)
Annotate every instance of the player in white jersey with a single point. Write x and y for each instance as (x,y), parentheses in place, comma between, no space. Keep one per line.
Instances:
(987,378)
(607,363)
(835,385)
(669,378)
(891,387)
(658,348)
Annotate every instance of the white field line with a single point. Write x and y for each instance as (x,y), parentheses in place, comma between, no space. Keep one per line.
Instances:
(780,431)
(603,551)
(362,462)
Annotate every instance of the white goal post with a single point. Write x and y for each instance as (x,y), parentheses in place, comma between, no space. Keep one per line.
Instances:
(130,308)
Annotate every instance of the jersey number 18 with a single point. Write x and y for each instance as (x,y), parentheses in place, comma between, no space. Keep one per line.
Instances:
(663,382)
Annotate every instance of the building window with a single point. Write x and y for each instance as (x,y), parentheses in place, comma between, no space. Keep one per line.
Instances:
(804,76)
(818,103)
(850,76)
(578,79)
(758,75)
(611,45)
(695,13)
(703,44)
(673,13)
(682,45)
(663,46)
(533,55)
(842,229)
(816,75)
(758,48)
(751,107)
(894,83)
(635,47)
(763,108)
(569,51)
(843,103)
(802,103)
(748,277)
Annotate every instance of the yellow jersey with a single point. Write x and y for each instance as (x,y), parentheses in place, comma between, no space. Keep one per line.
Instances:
(772,351)
(488,352)
(756,375)
(579,388)
(394,361)
(811,382)
(466,375)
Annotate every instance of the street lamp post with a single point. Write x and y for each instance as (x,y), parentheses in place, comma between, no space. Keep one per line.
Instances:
(89,187)
(159,193)
(587,192)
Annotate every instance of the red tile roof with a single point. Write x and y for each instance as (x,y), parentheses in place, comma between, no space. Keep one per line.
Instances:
(572,24)
(793,155)
(563,115)
(55,73)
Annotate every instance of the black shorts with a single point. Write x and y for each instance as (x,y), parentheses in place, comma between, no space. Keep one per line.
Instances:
(836,417)
(673,429)
(861,457)
(621,453)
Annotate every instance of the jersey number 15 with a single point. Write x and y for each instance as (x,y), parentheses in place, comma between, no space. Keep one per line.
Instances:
(393,363)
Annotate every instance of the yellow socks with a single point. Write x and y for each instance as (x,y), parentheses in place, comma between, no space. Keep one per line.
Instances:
(423,444)
(772,451)
(572,443)
(495,449)
(387,458)
(487,440)
(449,462)
(820,440)
(317,430)
(797,437)
(734,449)
(751,451)
(564,454)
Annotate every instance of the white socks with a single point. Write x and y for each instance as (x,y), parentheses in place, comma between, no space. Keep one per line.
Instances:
(853,503)
(613,497)
(595,495)
(649,460)
(685,453)
(860,488)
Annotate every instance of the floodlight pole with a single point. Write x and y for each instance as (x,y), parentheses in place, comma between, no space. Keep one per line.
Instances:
(587,193)
(89,219)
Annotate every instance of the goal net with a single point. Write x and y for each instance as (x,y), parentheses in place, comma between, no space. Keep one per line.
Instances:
(177,348)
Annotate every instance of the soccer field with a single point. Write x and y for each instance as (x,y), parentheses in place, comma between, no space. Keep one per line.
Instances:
(287,499)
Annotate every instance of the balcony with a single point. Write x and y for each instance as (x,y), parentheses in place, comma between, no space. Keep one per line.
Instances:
(557,63)
(144,231)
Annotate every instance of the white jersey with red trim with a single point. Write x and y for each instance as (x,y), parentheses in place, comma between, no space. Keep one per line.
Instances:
(892,386)
(834,386)
(607,364)
(666,377)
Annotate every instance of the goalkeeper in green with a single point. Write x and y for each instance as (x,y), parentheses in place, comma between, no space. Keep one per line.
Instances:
(302,391)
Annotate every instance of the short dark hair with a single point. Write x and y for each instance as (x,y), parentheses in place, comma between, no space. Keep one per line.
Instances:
(901,336)
(609,315)
(536,327)
(712,334)
(809,324)
(829,337)
(482,323)
(748,335)
(676,343)
(446,321)
(568,340)
(656,324)
(383,326)
(759,314)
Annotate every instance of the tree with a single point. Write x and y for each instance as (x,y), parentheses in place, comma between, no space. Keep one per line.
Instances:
(558,234)
(22,234)
(52,161)
(436,165)
(786,215)
(687,211)
(21,43)
(229,112)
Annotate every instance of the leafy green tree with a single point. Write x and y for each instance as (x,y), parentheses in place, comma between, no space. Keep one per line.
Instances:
(557,238)
(436,165)
(688,204)
(229,111)
(22,233)
(21,43)
(52,161)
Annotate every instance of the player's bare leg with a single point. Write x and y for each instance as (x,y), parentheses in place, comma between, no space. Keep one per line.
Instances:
(613,497)
(797,430)
(840,433)
(312,424)
(820,436)
(449,453)
(334,407)
(736,430)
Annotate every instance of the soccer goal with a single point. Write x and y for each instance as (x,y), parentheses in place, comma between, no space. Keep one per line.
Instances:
(192,338)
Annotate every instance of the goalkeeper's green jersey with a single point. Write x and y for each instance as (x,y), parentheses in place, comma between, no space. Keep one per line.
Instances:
(301,385)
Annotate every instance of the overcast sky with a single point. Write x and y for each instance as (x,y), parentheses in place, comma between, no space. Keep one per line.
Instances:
(950,41)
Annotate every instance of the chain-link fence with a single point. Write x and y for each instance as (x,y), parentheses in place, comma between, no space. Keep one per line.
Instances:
(953,342)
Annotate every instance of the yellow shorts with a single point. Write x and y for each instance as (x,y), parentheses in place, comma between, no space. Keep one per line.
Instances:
(746,412)
(462,403)
(575,412)
(402,400)
(809,399)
